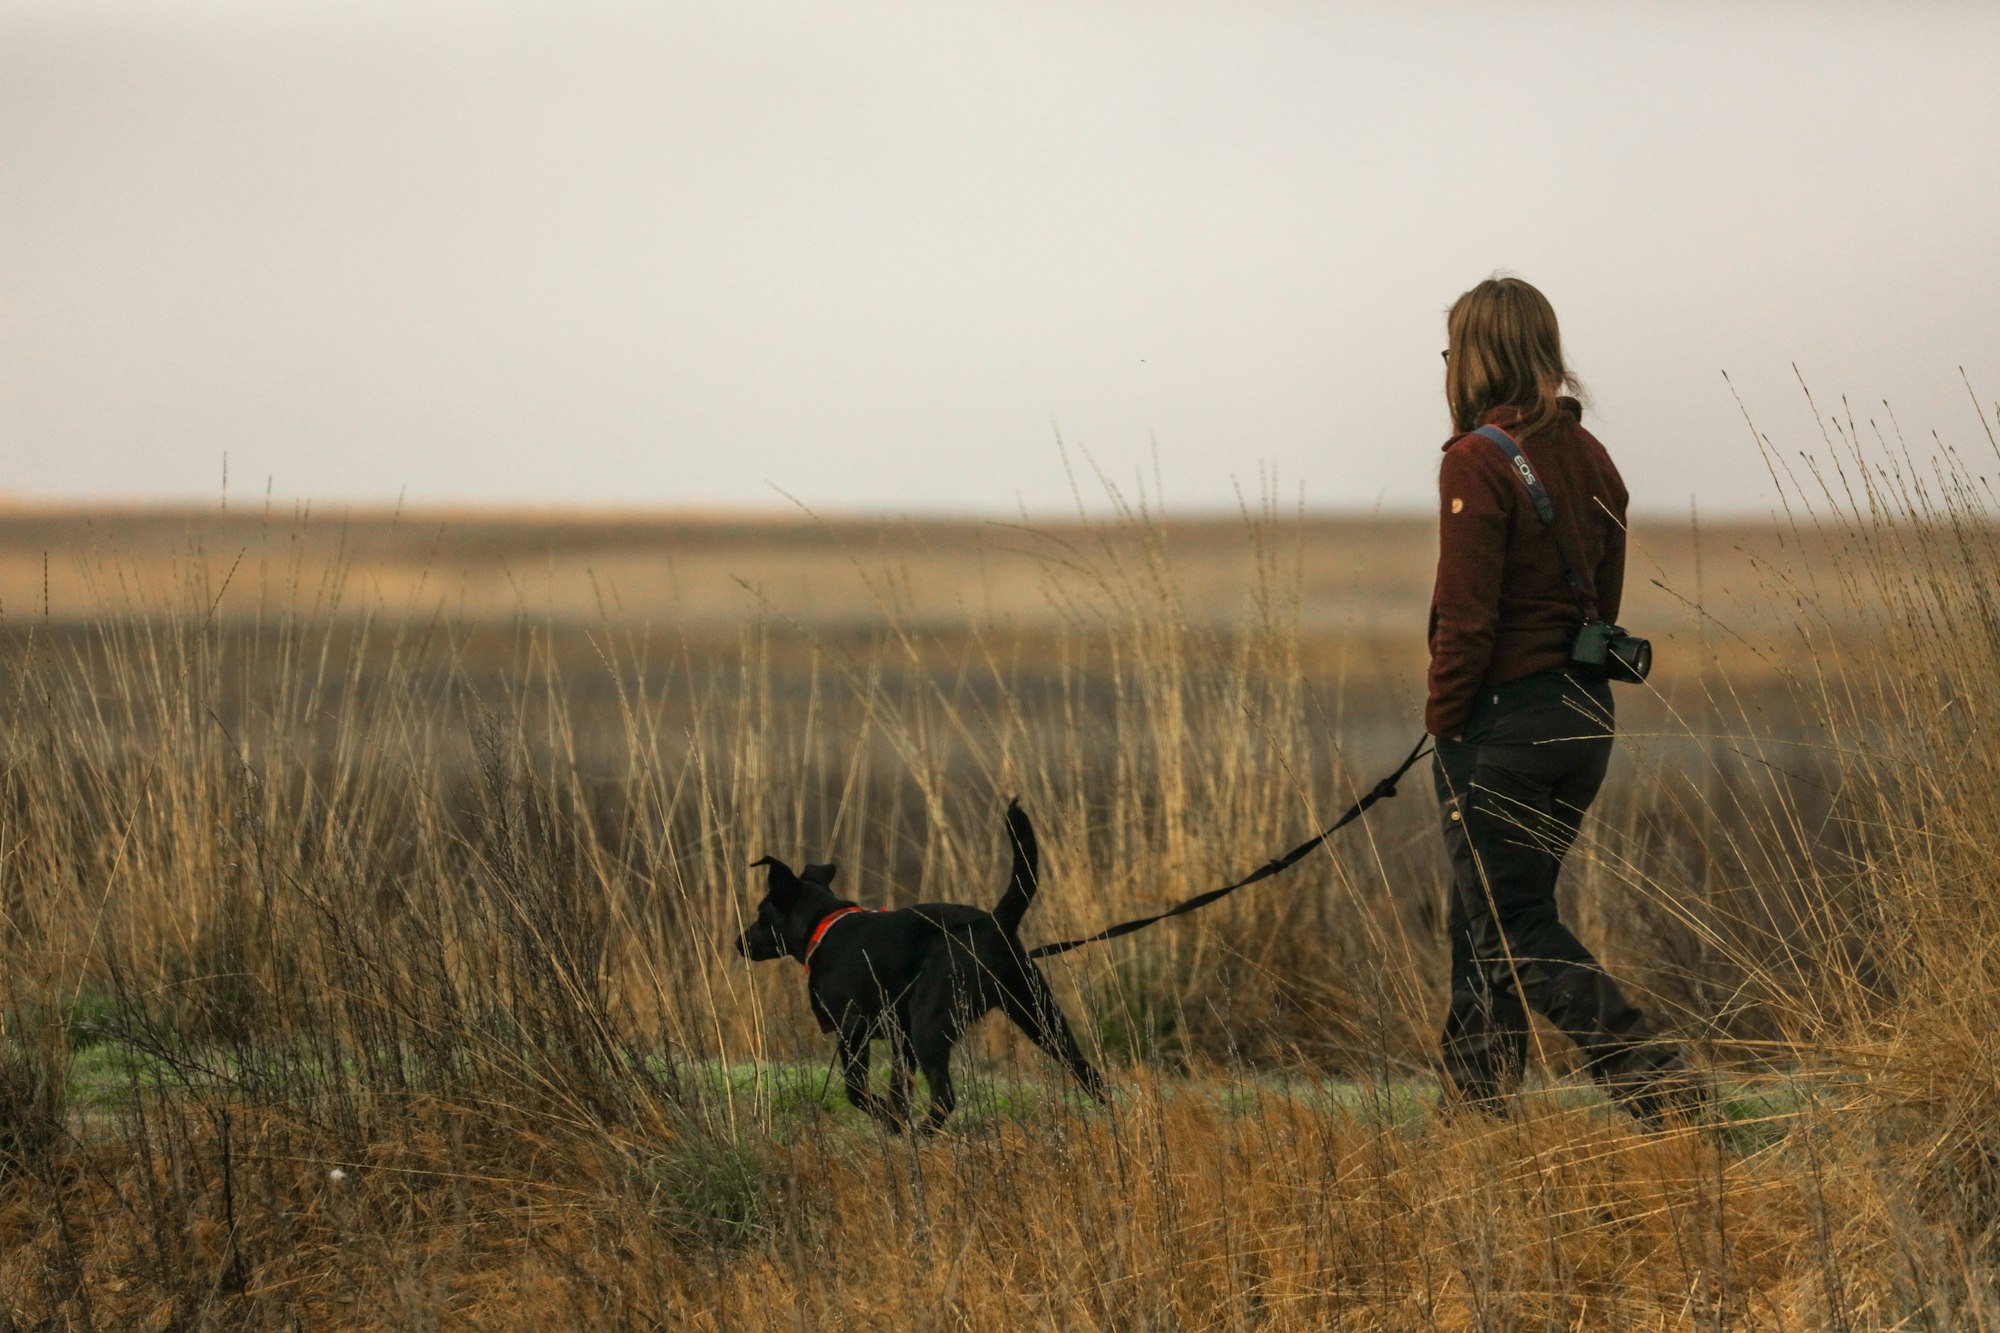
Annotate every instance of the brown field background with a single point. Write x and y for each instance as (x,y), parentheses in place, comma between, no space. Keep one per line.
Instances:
(368,880)
(941,665)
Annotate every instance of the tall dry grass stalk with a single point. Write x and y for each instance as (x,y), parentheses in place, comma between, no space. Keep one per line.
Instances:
(365,965)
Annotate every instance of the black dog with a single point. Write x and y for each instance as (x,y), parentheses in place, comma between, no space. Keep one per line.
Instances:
(920,976)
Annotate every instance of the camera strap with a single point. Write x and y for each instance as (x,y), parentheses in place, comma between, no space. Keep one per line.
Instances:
(1545,509)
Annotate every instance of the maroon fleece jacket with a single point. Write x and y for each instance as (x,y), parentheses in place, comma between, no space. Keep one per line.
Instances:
(1500,610)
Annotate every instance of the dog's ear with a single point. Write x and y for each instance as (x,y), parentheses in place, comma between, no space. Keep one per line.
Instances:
(780,877)
(820,875)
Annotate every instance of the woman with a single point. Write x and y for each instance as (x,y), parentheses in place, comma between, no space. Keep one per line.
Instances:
(1523,737)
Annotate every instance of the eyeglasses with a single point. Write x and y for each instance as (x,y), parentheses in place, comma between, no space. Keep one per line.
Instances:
(1446,354)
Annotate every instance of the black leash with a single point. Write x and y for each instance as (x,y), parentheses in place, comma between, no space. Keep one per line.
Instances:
(1385,788)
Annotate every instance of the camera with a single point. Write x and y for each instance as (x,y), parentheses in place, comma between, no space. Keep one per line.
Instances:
(1608,649)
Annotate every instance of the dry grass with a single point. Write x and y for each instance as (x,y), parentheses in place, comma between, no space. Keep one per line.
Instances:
(366,886)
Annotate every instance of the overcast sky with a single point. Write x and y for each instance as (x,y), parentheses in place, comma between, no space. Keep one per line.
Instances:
(879,256)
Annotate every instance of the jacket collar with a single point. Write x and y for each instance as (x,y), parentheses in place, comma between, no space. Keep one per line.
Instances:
(1508,417)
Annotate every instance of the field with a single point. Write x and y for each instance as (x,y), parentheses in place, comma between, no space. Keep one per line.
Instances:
(369,880)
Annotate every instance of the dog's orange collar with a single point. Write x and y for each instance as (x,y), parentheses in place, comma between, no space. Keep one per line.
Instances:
(819,931)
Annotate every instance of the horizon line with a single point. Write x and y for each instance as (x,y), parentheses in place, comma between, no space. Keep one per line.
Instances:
(16,505)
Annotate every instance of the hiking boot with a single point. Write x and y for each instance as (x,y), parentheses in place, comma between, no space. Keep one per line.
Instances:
(1652,1080)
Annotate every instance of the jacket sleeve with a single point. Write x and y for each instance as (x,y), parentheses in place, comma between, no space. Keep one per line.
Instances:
(1473,519)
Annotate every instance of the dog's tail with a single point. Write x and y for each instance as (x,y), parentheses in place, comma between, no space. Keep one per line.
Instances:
(1021,888)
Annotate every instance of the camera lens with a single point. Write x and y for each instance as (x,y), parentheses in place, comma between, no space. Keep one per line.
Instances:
(1638,657)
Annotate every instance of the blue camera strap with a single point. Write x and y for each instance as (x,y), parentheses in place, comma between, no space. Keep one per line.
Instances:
(1545,509)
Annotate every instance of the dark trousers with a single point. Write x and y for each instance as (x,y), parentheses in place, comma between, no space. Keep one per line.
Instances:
(1513,791)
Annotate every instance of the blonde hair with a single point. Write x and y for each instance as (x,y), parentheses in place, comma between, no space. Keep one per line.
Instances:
(1505,351)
